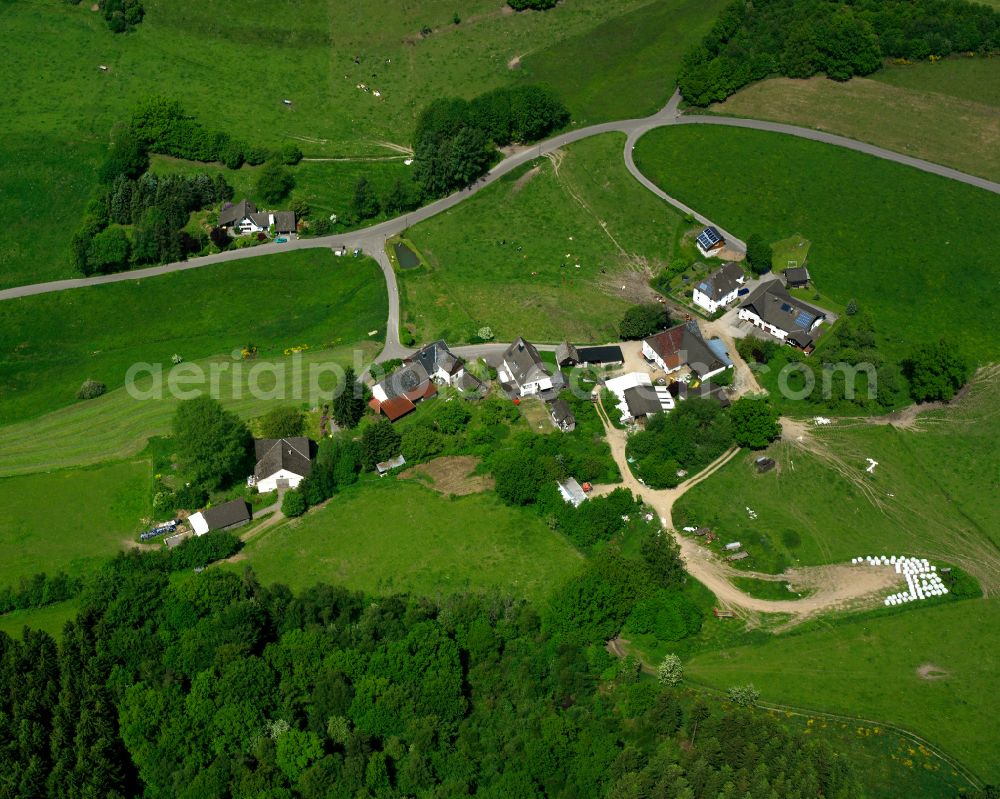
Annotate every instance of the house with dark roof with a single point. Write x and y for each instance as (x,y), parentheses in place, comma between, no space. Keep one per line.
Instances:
(243,218)
(792,321)
(446,368)
(399,393)
(281,462)
(710,241)
(684,345)
(522,371)
(562,415)
(719,288)
(796,277)
(637,397)
(226,516)
(567,355)
(681,391)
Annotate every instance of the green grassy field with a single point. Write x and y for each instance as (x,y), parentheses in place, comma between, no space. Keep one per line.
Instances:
(70,520)
(868,667)
(51,619)
(384,536)
(118,425)
(507,257)
(900,241)
(958,132)
(625,67)
(59,107)
(933,493)
(966,78)
(51,343)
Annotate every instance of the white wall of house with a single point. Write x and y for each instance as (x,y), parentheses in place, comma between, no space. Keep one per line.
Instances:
(750,316)
(246,226)
(703,300)
(714,372)
(536,386)
(651,355)
(266,484)
(379,393)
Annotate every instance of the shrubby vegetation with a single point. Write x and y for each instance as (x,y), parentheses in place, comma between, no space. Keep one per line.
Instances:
(281,422)
(219,686)
(120,15)
(455,140)
(936,371)
(687,439)
(759,254)
(800,38)
(755,422)
(213,444)
(641,321)
(91,389)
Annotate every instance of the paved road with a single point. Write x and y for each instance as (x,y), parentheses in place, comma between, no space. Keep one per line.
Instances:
(372,239)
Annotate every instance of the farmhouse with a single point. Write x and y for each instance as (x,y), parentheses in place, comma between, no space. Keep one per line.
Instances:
(683,345)
(796,277)
(522,372)
(637,397)
(562,416)
(719,288)
(710,242)
(771,308)
(569,355)
(398,394)
(446,368)
(243,219)
(226,516)
(281,462)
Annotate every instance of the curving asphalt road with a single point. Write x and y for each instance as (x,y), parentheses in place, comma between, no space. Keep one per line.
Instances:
(372,239)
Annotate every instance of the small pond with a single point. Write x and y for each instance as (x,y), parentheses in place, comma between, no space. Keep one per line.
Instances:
(407,258)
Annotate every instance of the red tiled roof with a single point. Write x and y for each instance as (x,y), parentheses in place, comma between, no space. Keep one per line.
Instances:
(668,345)
(397,407)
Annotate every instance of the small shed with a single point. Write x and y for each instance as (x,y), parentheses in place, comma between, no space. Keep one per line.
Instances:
(732,546)
(571,491)
(796,277)
(764,464)
(385,467)
(226,516)
(562,415)
(702,531)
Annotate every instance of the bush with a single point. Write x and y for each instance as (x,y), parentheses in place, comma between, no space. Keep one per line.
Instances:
(755,422)
(670,671)
(290,154)
(282,422)
(667,615)
(204,549)
(90,389)
(294,504)
(936,371)
(641,321)
(274,182)
(759,254)
(534,5)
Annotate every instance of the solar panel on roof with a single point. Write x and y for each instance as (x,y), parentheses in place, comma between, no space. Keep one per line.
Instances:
(786,307)
(704,287)
(804,319)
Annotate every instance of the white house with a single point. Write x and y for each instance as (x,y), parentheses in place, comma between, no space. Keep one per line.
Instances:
(226,516)
(637,397)
(522,370)
(443,366)
(790,320)
(281,463)
(720,288)
(683,345)
(571,492)
(244,219)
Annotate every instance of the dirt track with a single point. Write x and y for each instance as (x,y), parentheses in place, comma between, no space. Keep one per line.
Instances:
(834,587)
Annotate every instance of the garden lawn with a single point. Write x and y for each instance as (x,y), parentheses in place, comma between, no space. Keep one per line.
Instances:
(59,107)
(933,493)
(625,67)
(70,520)
(904,243)
(506,258)
(51,343)
(386,536)
(960,133)
(868,667)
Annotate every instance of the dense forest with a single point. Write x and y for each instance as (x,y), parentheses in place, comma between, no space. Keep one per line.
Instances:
(214,685)
(800,38)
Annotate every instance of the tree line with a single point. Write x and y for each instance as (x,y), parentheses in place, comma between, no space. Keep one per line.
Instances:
(135,217)
(120,15)
(455,140)
(219,686)
(801,38)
